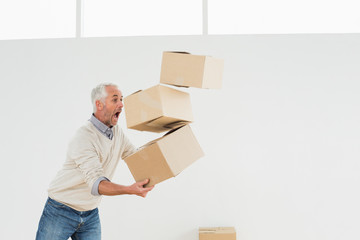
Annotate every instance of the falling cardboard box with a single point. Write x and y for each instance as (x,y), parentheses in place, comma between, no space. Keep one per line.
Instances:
(158,109)
(217,233)
(187,70)
(165,157)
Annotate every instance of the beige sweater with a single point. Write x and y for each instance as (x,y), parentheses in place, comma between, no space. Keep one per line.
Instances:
(90,155)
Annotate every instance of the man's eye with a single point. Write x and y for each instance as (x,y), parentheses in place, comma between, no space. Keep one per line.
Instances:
(114,100)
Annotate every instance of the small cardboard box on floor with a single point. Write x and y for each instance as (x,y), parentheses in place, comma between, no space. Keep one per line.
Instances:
(187,70)
(165,157)
(217,233)
(158,109)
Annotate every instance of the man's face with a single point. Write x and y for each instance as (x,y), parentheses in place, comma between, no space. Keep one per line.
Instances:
(113,106)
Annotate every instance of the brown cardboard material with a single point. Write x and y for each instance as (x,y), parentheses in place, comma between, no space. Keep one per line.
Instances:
(158,109)
(165,157)
(217,233)
(187,70)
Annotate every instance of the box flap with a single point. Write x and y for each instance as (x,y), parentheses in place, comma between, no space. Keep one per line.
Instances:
(176,124)
(148,144)
(216,230)
(172,130)
(176,52)
(157,139)
(136,92)
(162,124)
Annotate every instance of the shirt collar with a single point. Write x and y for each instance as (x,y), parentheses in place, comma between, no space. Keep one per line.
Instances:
(99,125)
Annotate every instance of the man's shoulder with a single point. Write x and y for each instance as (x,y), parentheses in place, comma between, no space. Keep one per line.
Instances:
(86,131)
(87,127)
(84,139)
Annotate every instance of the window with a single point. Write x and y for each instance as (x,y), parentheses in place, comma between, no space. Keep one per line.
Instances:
(24,19)
(283,16)
(141,17)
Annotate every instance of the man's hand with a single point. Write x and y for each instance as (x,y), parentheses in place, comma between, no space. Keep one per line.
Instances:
(112,189)
(139,189)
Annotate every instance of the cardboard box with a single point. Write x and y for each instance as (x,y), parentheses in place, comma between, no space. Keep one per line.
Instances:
(217,233)
(158,109)
(187,70)
(165,157)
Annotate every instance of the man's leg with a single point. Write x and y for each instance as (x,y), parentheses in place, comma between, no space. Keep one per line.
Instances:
(90,228)
(58,222)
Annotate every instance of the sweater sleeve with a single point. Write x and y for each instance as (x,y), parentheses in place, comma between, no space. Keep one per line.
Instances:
(83,153)
(95,187)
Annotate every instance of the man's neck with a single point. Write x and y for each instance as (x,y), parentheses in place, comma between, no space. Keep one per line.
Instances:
(97,115)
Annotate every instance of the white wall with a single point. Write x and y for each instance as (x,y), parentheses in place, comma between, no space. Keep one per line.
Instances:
(281,137)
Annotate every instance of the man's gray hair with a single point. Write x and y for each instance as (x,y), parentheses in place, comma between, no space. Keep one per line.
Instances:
(99,93)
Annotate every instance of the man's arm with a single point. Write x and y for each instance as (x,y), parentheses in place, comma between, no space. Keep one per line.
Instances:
(111,189)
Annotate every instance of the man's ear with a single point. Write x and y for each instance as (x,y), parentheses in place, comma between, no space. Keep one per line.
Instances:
(99,105)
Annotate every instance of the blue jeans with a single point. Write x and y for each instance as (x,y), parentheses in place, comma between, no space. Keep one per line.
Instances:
(60,222)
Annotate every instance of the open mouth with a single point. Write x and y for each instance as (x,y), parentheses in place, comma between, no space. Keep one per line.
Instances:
(116,115)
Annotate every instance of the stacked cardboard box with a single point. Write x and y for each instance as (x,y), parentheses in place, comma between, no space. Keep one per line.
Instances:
(187,70)
(161,108)
(217,233)
(157,109)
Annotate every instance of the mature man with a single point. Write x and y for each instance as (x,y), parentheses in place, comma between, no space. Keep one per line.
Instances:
(93,154)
